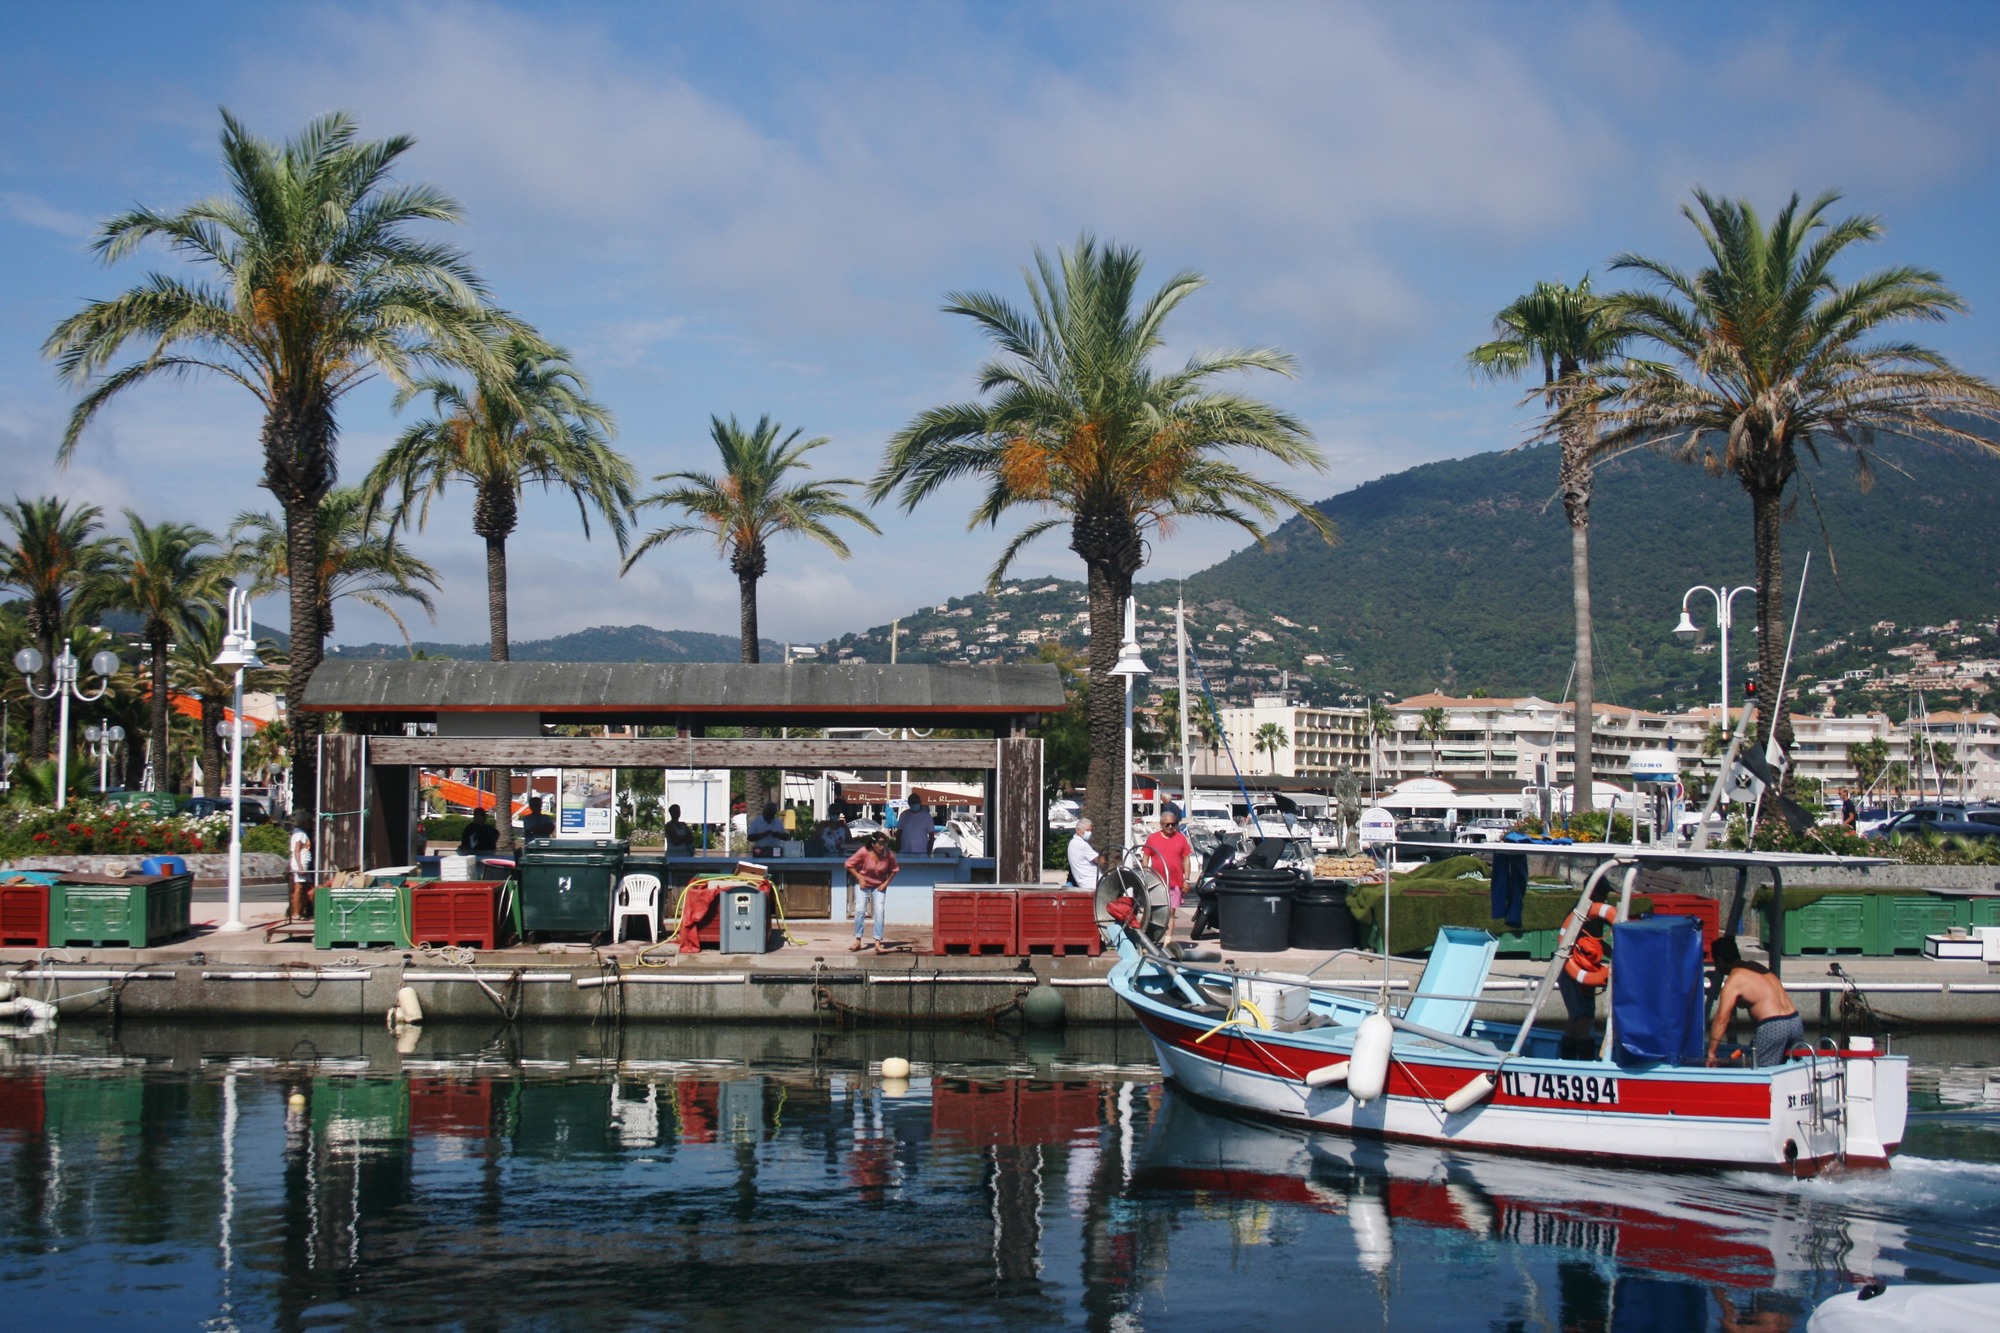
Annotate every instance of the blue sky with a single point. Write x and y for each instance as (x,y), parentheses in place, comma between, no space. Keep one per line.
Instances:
(758,208)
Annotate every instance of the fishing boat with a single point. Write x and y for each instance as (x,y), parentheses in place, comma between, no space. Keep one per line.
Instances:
(1424,1068)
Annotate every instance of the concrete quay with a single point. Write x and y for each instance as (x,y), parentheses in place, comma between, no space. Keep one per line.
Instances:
(816,979)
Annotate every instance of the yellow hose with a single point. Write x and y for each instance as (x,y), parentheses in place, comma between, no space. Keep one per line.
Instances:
(1234,1022)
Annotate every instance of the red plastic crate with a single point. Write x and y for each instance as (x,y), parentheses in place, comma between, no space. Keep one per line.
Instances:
(1705,910)
(451,1108)
(972,921)
(457,913)
(24,915)
(1059,922)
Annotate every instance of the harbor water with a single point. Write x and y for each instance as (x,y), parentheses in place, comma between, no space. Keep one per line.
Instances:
(690,1177)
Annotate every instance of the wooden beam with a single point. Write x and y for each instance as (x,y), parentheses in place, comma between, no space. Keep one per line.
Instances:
(677,752)
(1014,828)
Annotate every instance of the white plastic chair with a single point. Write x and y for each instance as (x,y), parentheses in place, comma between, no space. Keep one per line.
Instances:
(638,895)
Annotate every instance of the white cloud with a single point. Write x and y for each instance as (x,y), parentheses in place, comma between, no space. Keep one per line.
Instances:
(33,211)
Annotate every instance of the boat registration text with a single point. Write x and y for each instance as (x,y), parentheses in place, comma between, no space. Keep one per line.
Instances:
(1583,1089)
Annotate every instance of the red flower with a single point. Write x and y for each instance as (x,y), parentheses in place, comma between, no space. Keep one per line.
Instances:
(142,844)
(75,828)
(41,837)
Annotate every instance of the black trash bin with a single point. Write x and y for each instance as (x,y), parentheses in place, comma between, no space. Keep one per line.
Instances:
(1255,907)
(1321,918)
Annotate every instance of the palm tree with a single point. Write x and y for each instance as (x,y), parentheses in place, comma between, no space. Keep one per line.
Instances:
(1869,759)
(1268,740)
(746,505)
(1379,724)
(54,558)
(1079,425)
(1570,331)
(162,572)
(317,286)
(214,686)
(356,555)
(1771,359)
(539,426)
(1430,726)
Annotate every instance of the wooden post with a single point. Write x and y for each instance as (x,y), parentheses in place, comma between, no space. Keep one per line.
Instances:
(1015,822)
(337,832)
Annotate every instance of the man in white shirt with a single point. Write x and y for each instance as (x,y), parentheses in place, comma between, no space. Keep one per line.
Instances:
(1082,857)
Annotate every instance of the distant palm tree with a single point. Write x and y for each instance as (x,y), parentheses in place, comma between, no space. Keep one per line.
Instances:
(1431,727)
(54,558)
(356,552)
(1869,759)
(1268,740)
(1770,359)
(1379,724)
(318,286)
(164,573)
(1570,332)
(538,426)
(746,505)
(1080,425)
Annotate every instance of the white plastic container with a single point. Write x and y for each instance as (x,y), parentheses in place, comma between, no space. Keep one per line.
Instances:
(1280,1002)
(1954,948)
(1989,939)
(459,868)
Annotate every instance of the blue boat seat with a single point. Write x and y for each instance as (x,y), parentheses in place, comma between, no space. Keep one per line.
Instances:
(1458,966)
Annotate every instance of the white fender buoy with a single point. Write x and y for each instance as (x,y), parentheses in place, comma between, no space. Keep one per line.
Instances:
(1326,1075)
(409,1011)
(1368,1070)
(21,1006)
(1478,1090)
(8,990)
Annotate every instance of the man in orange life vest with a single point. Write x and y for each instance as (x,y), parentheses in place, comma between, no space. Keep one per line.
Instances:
(1583,976)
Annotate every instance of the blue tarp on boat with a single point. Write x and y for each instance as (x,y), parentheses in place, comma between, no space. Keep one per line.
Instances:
(1656,999)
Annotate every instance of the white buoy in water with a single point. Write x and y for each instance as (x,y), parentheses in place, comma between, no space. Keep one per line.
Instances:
(1327,1075)
(1478,1090)
(896,1067)
(408,1012)
(1368,1070)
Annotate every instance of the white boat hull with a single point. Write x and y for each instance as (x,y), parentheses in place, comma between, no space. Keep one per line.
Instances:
(1794,1118)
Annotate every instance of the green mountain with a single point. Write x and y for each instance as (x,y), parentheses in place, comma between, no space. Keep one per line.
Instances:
(1455,575)
(606,643)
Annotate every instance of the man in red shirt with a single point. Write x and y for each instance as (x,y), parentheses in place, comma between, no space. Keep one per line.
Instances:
(872,867)
(1171,856)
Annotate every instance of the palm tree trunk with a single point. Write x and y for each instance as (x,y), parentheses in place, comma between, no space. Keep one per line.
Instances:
(298,437)
(755,790)
(1767,512)
(1104,780)
(496,595)
(1586,684)
(40,716)
(163,774)
(211,746)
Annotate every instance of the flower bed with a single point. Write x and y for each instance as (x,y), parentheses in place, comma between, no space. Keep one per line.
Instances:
(88,829)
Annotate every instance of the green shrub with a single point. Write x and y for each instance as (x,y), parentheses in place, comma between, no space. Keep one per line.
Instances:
(267,838)
(445,828)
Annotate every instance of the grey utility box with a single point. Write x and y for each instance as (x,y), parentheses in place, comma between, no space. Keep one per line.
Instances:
(746,921)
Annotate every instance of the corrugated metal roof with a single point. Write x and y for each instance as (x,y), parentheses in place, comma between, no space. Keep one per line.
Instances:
(691,687)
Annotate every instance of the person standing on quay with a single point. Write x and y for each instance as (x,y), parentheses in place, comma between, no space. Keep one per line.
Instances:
(916,831)
(1082,857)
(872,867)
(299,867)
(1171,856)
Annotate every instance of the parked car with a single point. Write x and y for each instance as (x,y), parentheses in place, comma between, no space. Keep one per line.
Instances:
(201,807)
(1491,829)
(1944,820)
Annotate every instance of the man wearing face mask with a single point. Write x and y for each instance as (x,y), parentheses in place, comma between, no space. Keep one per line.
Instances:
(1082,857)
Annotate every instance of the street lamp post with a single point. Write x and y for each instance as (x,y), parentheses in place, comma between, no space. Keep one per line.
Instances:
(1131,666)
(1686,631)
(67,668)
(104,736)
(239,650)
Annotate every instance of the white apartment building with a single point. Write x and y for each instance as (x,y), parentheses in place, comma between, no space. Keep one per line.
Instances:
(1498,739)
(1319,742)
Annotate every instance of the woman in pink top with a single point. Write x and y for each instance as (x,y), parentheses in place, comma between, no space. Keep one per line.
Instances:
(872,867)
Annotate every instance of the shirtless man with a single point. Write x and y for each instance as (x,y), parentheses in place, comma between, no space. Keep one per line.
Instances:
(1779,1027)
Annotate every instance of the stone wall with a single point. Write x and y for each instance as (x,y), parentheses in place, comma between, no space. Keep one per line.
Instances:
(210,869)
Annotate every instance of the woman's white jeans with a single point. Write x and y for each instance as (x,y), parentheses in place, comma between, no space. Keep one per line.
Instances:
(875,899)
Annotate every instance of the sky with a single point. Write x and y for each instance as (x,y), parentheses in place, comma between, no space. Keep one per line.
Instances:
(759,209)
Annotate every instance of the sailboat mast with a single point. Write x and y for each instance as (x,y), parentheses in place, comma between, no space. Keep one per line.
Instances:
(1187,750)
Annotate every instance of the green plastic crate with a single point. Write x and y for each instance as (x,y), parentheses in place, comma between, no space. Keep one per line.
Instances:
(1539,945)
(353,918)
(137,915)
(1836,923)
(1983,911)
(1902,921)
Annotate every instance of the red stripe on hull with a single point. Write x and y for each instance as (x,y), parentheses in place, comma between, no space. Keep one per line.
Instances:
(1709,1098)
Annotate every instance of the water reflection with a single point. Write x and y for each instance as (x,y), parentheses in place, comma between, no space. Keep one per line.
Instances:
(723,1177)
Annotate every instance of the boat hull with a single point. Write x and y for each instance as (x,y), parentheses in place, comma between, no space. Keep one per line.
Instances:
(1787,1119)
